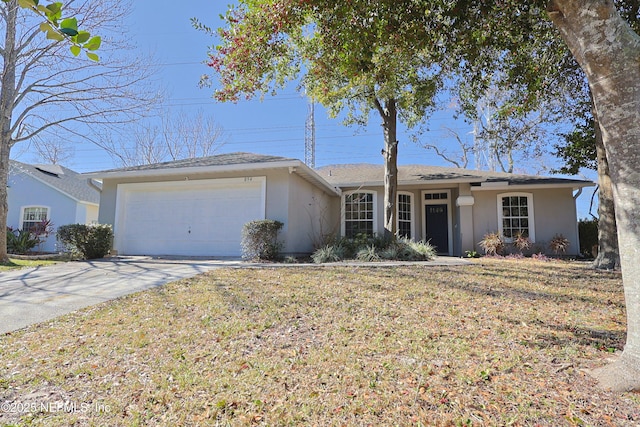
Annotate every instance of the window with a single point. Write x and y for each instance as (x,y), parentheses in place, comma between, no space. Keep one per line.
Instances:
(405,215)
(33,216)
(436,196)
(359,214)
(515,215)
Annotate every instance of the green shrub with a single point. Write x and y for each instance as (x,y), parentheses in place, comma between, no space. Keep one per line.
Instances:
(588,232)
(392,252)
(368,254)
(328,253)
(374,249)
(260,240)
(86,241)
(20,242)
(421,250)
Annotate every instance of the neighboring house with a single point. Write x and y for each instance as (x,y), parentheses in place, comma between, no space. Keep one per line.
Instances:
(197,207)
(50,193)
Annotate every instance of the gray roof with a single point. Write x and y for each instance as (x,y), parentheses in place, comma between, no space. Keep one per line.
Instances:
(218,163)
(217,160)
(358,174)
(62,179)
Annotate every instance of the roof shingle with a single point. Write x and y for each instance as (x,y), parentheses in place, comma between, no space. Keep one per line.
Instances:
(361,173)
(61,178)
(217,160)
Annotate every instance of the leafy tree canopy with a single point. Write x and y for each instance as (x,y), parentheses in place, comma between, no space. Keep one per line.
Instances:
(347,54)
(56,27)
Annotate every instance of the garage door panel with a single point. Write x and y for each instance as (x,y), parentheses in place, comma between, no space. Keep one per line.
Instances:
(173,219)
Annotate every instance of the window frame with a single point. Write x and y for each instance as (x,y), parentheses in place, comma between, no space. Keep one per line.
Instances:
(411,220)
(23,210)
(374,220)
(530,215)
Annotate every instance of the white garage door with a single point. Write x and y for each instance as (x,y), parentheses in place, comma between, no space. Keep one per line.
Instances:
(195,218)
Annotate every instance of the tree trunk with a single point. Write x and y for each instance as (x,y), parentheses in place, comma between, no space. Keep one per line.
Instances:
(389,124)
(7,98)
(4,208)
(608,257)
(609,52)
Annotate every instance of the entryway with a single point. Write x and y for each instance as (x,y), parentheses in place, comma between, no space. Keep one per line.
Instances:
(437,220)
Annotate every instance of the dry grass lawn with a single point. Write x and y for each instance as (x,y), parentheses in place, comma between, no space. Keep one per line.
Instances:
(500,342)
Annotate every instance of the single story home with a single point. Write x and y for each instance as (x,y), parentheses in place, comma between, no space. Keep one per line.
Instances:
(197,207)
(52,193)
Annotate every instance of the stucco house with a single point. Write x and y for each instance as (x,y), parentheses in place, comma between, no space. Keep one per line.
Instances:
(50,192)
(197,207)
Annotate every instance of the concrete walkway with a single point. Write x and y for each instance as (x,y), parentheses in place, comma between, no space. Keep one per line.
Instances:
(39,294)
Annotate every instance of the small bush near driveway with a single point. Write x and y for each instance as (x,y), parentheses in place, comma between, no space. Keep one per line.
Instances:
(86,241)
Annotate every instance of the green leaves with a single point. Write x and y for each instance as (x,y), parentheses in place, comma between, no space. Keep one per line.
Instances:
(69,27)
(58,29)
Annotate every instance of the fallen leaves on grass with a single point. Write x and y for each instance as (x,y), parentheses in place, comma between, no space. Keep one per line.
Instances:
(495,343)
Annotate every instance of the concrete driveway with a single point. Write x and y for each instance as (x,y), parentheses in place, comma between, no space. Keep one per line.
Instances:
(35,295)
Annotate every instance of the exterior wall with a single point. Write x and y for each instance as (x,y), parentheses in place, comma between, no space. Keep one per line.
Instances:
(312,217)
(27,191)
(107,212)
(92,212)
(289,199)
(86,213)
(554,213)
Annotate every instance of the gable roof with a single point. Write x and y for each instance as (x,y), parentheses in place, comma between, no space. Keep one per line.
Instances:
(363,174)
(62,179)
(218,163)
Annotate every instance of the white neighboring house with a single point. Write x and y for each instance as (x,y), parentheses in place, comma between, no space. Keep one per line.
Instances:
(50,192)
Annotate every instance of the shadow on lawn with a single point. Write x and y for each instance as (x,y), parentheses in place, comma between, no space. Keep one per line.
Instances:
(561,336)
(561,289)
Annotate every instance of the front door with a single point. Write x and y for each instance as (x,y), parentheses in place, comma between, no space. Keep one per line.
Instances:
(437,220)
(437,226)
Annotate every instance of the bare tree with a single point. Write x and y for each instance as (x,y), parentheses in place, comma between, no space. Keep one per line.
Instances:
(458,157)
(182,136)
(43,86)
(53,150)
(505,134)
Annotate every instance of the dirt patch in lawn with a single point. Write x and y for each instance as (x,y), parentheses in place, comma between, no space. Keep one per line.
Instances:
(499,342)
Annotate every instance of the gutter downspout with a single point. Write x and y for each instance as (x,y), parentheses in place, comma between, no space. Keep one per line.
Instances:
(99,189)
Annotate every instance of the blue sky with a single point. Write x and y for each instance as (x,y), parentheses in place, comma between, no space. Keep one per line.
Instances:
(274,126)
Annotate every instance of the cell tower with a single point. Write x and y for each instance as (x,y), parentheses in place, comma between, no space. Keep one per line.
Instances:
(310,137)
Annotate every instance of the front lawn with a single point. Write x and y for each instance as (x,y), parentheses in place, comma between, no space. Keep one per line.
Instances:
(500,342)
(15,264)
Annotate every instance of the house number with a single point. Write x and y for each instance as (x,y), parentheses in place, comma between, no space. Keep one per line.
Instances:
(436,210)
(248,179)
